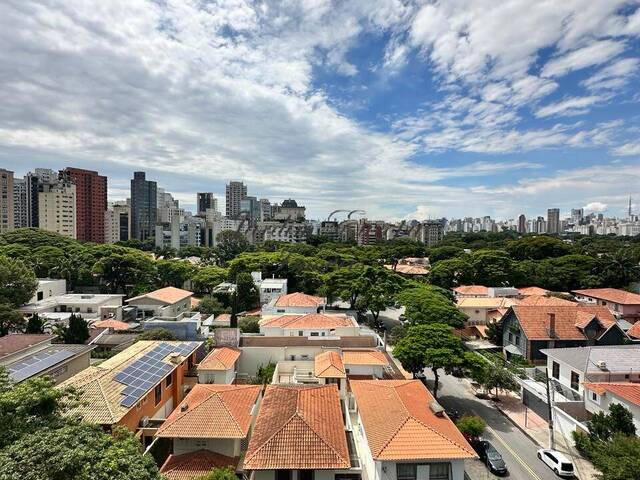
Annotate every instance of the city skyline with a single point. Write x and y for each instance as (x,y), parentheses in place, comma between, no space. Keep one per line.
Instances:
(419,110)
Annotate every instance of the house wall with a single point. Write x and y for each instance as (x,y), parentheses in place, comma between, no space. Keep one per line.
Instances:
(273,310)
(161,309)
(602,402)
(49,288)
(225,377)
(60,373)
(317,474)
(253,357)
(310,332)
(565,374)
(375,370)
(512,326)
(388,469)
(226,446)
(615,308)
(477,315)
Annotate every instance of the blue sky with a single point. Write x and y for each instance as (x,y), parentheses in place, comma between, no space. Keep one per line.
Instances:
(406,109)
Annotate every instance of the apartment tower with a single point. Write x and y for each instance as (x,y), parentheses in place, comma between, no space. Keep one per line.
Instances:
(91,202)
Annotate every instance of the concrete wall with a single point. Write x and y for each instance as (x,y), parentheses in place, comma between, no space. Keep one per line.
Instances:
(310,332)
(253,357)
(375,370)
(225,377)
(49,288)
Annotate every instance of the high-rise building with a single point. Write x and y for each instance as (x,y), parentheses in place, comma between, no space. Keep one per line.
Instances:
(144,206)
(553,220)
(522,224)
(20,213)
(250,209)
(6,200)
(235,192)
(577,214)
(57,208)
(117,222)
(206,200)
(432,232)
(541,225)
(168,207)
(91,202)
(265,210)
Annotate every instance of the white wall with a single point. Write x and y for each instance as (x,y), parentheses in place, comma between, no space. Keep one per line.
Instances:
(49,288)
(253,357)
(375,370)
(225,377)
(602,402)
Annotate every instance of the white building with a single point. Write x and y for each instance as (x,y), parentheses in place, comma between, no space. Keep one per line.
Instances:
(219,366)
(117,222)
(49,287)
(270,288)
(310,325)
(168,302)
(88,305)
(57,208)
(298,303)
(599,396)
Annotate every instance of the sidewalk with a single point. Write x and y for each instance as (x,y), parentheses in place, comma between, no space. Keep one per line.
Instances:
(536,428)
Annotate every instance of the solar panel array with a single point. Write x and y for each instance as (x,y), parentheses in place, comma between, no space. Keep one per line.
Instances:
(37,363)
(148,370)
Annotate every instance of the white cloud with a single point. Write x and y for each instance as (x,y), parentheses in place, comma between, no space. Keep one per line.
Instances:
(595,207)
(613,76)
(627,149)
(568,106)
(595,53)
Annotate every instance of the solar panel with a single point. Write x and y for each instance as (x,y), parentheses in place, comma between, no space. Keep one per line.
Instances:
(37,363)
(148,370)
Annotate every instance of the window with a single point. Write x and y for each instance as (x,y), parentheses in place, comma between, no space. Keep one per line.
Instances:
(200,443)
(169,380)
(510,337)
(314,334)
(517,340)
(300,333)
(575,380)
(439,471)
(305,474)
(594,396)
(555,370)
(283,474)
(158,393)
(406,471)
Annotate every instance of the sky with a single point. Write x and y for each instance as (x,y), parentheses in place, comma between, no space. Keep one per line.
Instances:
(401,108)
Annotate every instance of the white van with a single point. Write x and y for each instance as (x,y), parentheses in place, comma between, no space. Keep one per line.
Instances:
(557,461)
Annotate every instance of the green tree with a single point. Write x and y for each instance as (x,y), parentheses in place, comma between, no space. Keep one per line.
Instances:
(537,248)
(122,272)
(35,324)
(377,287)
(603,425)
(618,459)
(471,426)
(230,244)
(493,268)
(211,306)
(264,375)
(495,332)
(452,272)
(248,296)
(157,334)
(446,252)
(429,304)
(11,320)
(205,279)
(76,332)
(18,283)
(173,273)
(226,473)
(249,324)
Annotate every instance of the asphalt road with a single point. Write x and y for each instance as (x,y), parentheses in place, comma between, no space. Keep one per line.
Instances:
(518,451)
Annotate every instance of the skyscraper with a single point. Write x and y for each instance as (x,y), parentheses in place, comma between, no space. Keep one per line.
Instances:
(235,192)
(57,208)
(522,224)
(117,222)
(553,220)
(577,214)
(144,206)
(6,200)
(20,213)
(91,202)
(206,200)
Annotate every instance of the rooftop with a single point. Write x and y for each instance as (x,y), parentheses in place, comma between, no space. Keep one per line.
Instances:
(472,290)
(223,358)
(526,291)
(310,320)
(364,357)
(114,324)
(486,302)
(543,300)
(399,425)
(73,298)
(13,343)
(31,365)
(213,411)
(612,295)
(194,464)
(618,358)
(634,331)
(329,365)
(408,269)
(626,391)
(569,320)
(299,427)
(362,341)
(299,299)
(168,295)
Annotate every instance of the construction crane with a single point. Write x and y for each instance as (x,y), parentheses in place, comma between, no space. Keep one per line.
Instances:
(333,213)
(359,212)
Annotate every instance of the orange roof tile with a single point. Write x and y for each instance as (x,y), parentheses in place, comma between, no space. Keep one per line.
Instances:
(408,269)
(526,291)
(613,295)
(299,427)
(194,464)
(634,331)
(212,411)
(627,391)
(472,290)
(399,424)
(486,302)
(223,358)
(310,320)
(364,357)
(543,300)
(168,295)
(568,320)
(329,365)
(115,324)
(299,299)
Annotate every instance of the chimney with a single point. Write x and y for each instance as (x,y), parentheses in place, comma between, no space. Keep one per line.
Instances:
(551,327)
(184,407)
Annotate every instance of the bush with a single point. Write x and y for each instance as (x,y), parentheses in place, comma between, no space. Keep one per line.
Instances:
(471,426)
(157,334)
(249,324)
(583,443)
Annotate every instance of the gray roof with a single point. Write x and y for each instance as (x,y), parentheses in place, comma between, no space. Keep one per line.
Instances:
(618,358)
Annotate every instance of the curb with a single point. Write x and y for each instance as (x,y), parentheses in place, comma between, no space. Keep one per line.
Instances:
(527,434)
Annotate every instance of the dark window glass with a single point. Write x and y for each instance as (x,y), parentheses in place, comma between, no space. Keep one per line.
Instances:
(555,370)
(158,393)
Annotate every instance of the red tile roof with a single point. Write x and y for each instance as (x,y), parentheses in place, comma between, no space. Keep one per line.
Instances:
(399,424)
(526,291)
(299,427)
(627,391)
(212,411)
(194,464)
(299,299)
(168,295)
(364,357)
(543,300)
(612,295)
(569,320)
(363,341)
(311,320)
(634,331)
(115,324)
(223,358)
(472,290)
(15,342)
(329,365)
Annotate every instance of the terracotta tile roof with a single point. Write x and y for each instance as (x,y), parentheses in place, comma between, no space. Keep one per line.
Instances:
(299,299)
(362,341)
(526,291)
(634,331)
(543,300)
(408,269)
(299,427)
(194,464)
(364,357)
(613,295)
(486,302)
(195,302)
(310,320)
(399,424)
(168,295)
(115,324)
(100,393)
(329,365)
(15,342)
(534,320)
(223,358)
(627,391)
(472,290)
(212,411)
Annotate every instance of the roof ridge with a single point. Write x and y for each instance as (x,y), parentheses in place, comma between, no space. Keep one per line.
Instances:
(348,460)
(106,401)
(233,417)
(386,444)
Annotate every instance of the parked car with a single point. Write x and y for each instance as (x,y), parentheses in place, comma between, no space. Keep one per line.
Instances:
(491,457)
(453,415)
(557,461)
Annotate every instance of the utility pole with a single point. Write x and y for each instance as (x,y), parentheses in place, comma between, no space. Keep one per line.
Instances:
(550,407)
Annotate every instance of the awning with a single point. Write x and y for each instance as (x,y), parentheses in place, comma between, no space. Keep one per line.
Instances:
(513,350)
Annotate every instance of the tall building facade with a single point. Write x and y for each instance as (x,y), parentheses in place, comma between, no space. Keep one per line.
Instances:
(144,206)
(57,208)
(206,201)
(20,213)
(91,202)
(117,222)
(235,192)
(522,224)
(553,220)
(6,201)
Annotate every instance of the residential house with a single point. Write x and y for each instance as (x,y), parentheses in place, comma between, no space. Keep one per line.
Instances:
(310,325)
(365,363)
(300,434)
(327,368)
(209,429)
(168,302)
(269,288)
(49,287)
(529,329)
(471,291)
(297,303)
(219,366)
(91,306)
(142,383)
(527,291)
(403,434)
(599,396)
(481,310)
(634,332)
(622,304)
(26,356)
(113,325)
